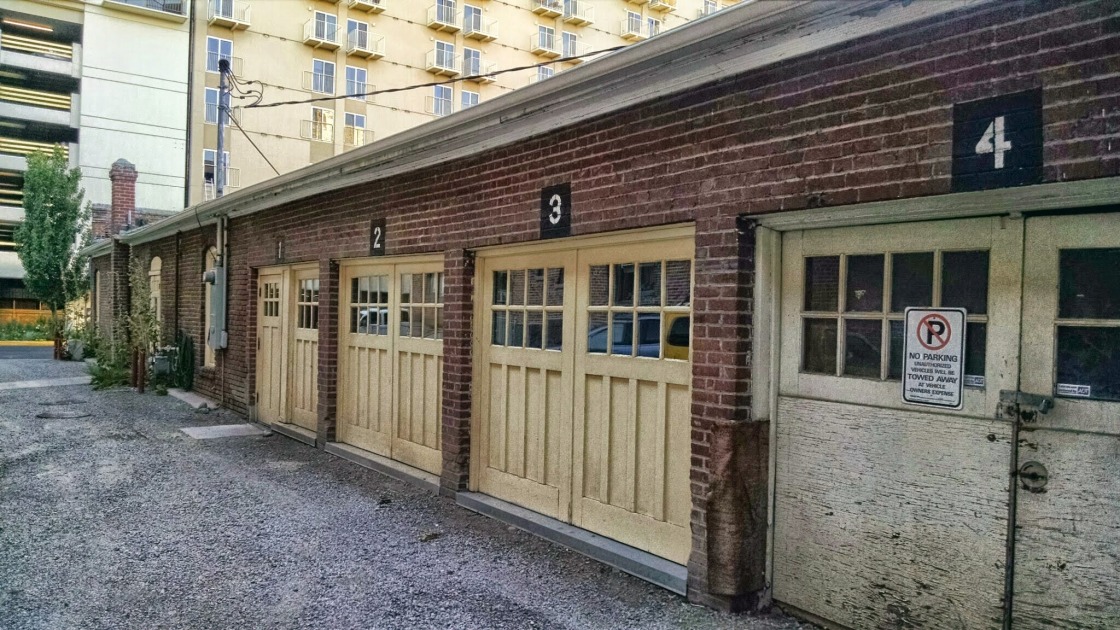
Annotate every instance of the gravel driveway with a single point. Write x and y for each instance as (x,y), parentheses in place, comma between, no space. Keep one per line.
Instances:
(119,520)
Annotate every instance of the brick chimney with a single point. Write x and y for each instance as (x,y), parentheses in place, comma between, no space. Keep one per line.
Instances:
(123,176)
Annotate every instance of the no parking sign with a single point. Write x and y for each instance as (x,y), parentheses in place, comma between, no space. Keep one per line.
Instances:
(933,357)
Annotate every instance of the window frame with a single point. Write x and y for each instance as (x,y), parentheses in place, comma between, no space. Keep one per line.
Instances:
(220,41)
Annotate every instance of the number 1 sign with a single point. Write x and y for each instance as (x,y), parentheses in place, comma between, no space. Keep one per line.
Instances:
(997,142)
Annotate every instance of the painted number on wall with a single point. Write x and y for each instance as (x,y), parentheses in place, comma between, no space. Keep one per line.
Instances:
(556,211)
(997,142)
(377,237)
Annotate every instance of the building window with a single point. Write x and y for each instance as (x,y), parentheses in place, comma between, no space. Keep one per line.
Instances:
(445,55)
(441,100)
(217,48)
(209,170)
(469,99)
(633,22)
(571,44)
(307,304)
(544,72)
(445,11)
(154,295)
(356,82)
(211,106)
(357,34)
(710,6)
(355,129)
(322,76)
(472,19)
(326,24)
(653,26)
(211,260)
(546,38)
(322,124)
(472,62)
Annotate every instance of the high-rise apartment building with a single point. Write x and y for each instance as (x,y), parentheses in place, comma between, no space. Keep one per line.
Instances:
(303,49)
(105,79)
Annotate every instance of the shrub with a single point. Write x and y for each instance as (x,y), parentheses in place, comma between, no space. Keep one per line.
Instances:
(16,331)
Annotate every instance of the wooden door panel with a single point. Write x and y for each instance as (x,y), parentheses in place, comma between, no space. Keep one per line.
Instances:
(271,365)
(419,380)
(1067,569)
(890,518)
(305,370)
(365,398)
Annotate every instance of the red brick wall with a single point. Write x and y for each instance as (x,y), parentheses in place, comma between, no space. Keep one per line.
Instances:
(870,120)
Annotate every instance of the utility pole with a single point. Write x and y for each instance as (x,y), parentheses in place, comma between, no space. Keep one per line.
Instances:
(223,112)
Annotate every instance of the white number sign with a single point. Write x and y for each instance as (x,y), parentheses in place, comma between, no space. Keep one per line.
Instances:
(993,141)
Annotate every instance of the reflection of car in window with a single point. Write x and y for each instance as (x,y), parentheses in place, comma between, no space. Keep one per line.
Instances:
(649,333)
(375,321)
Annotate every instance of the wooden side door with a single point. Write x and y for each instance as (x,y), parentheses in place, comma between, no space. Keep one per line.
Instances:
(304,351)
(367,326)
(524,397)
(887,514)
(417,362)
(1067,543)
(632,409)
(271,366)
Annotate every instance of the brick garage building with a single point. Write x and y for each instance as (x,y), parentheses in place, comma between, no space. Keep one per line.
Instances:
(815,168)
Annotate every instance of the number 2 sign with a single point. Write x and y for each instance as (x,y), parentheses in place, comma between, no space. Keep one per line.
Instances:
(997,142)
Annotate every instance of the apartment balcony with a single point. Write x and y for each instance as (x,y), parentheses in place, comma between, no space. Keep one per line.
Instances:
(321,35)
(548,8)
(537,78)
(316,131)
(369,6)
(479,71)
(444,18)
(356,136)
(318,82)
(172,10)
(233,180)
(707,10)
(578,12)
(365,45)
(663,6)
(211,114)
(575,49)
(634,30)
(544,45)
(480,29)
(360,91)
(438,107)
(638,2)
(442,63)
(236,64)
(229,14)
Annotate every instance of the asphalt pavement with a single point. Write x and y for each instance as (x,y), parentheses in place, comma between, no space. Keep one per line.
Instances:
(111,517)
(26,352)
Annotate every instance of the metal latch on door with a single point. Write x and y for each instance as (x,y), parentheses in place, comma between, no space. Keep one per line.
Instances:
(1014,404)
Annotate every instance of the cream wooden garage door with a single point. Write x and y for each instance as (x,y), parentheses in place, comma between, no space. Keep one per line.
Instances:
(391,360)
(584,386)
(287,368)
(891,515)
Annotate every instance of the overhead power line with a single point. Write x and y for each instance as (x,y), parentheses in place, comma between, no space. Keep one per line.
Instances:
(473,77)
(246,134)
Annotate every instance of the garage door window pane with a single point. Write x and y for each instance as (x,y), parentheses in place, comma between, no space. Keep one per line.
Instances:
(536,287)
(976,344)
(678,283)
(897,332)
(598,334)
(517,287)
(555,287)
(863,345)
(554,333)
(964,281)
(516,328)
(498,330)
(623,285)
(649,335)
(600,285)
(865,284)
(820,346)
(501,290)
(822,283)
(649,284)
(622,334)
(911,281)
(1088,362)
(534,330)
(1089,284)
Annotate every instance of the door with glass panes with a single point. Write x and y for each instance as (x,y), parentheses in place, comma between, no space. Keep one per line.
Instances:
(887,513)
(303,383)
(271,366)
(584,379)
(1067,503)
(390,371)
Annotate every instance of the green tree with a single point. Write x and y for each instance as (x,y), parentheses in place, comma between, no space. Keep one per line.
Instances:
(48,239)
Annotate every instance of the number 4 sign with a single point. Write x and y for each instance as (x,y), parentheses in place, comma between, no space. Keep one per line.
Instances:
(997,142)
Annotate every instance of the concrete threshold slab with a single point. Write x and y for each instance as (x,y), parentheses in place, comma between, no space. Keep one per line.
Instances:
(224,431)
(194,400)
(298,434)
(46,382)
(385,466)
(640,564)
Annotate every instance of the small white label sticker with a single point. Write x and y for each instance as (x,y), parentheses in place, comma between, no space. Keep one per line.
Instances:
(971,380)
(1066,389)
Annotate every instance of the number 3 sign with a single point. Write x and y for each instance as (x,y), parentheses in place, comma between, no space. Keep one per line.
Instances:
(556,211)
(997,142)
